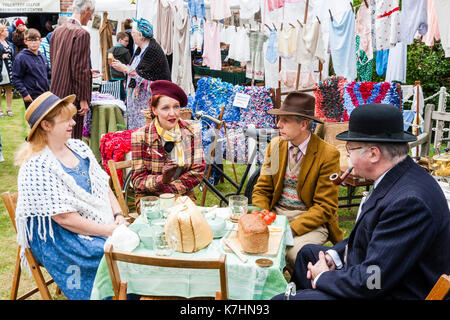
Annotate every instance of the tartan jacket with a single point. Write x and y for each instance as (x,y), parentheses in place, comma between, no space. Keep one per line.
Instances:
(147,165)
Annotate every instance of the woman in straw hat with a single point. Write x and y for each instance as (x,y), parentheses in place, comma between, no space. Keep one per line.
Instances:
(65,208)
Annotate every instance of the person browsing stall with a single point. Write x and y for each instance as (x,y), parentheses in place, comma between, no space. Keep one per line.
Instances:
(30,70)
(167,153)
(294,179)
(65,207)
(399,245)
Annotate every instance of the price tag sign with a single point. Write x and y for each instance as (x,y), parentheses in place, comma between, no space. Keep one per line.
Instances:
(241,100)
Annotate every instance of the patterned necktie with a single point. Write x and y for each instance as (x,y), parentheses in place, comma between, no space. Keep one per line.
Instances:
(294,153)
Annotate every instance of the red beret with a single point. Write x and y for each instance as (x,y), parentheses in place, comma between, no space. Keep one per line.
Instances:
(170,89)
(19,21)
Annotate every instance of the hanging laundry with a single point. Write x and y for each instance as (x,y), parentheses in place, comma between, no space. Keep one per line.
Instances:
(220,9)
(442,13)
(364,66)
(164,25)
(433,28)
(342,45)
(309,44)
(363,28)
(255,67)
(382,61)
(240,46)
(396,67)
(272,47)
(196,34)
(413,18)
(181,63)
(196,8)
(275,4)
(227,34)
(387,24)
(287,42)
(289,79)
(211,46)
(248,8)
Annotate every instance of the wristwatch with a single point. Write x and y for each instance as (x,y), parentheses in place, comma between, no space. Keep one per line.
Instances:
(118,213)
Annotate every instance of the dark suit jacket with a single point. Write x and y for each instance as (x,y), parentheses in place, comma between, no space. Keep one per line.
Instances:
(70,62)
(404,230)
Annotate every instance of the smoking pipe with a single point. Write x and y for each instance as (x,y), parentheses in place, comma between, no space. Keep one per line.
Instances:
(338,180)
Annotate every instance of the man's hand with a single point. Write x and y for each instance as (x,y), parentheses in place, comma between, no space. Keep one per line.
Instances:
(330,262)
(28,98)
(5,56)
(84,108)
(168,172)
(314,270)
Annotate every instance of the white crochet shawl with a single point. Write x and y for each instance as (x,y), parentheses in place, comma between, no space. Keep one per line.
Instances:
(45,190)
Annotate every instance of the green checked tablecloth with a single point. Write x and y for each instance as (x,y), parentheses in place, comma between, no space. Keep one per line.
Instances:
(105,119)
(246,281)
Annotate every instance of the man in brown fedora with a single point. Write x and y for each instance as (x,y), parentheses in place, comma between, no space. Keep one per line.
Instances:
(294,179)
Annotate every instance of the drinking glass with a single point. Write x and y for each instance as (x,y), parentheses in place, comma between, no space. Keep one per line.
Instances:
(166,201)
(150,207)
(238,206)
(163,244)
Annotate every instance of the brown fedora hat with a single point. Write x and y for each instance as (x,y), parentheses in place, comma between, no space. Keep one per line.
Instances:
(297,104)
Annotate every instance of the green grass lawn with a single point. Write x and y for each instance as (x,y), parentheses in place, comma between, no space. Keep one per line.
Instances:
(13,132)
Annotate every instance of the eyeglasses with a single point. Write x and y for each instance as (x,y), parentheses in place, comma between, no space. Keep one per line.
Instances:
(352,149)
(33,40)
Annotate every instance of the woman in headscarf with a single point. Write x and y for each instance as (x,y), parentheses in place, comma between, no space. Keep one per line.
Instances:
(149,63)
(167,153)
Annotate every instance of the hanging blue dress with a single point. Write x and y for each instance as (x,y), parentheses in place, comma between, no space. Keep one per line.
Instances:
(71,260)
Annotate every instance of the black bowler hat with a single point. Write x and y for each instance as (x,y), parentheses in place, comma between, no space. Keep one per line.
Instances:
(376,123)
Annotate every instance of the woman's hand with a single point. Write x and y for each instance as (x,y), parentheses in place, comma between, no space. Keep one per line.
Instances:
(119,66)
(120,219)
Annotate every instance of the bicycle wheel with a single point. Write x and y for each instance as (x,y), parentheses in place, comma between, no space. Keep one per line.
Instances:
(129,193)
(251,184)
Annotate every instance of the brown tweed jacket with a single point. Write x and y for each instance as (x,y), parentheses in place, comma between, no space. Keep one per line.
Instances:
(314,187)
(70,62)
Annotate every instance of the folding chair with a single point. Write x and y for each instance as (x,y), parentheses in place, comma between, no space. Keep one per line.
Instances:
(440,289)
(118,189)
(111,87)
(120,287)
(10,200)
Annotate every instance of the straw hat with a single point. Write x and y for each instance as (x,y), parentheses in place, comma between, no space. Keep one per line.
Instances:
(40,107)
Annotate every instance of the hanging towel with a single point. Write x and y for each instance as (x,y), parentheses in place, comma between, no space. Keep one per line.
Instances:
(396,67)
(211,47)
(342,45)
(382,61)
(413,18)
(433,28)
(310,44)
(442,13)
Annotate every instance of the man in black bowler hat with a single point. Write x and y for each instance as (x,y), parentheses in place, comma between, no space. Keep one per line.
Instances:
(400,244)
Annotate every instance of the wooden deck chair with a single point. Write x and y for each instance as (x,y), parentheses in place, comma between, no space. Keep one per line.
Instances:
(440,289)
(120,287)
(120,192)
(10,200)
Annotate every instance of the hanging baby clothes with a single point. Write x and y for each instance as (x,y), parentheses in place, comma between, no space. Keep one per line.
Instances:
(240,46)
(364,31)
(329,99)
(220,9)
(196,34)
(342,45)
(387,24)
(309,44)
(248,8)
(287,42)
(164,25)
(413,18)
(211,46)
(382,61)
(272,49)
(275,4)
(227,34)
(363,64)
(196,9)
(270,68)
(255,67)
(433,28)
(442,10)
(396,67)
(181,63)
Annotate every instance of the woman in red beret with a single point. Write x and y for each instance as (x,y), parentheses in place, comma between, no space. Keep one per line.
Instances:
(167,153)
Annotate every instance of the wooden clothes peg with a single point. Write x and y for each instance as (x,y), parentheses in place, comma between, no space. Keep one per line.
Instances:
(292,25)
(351,5)
(299,23)
(274,26)
(331,16)
(268,26)
(318,19)
(365,2)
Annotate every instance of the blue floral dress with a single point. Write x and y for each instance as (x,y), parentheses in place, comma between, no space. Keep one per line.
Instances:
(72,260)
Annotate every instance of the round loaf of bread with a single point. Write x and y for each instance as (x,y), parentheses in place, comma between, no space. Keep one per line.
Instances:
(253,234)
